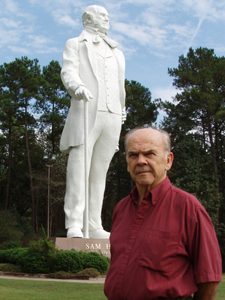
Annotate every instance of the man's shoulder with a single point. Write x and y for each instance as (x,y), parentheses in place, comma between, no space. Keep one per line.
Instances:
(180,191)
(185,197)
(123,201)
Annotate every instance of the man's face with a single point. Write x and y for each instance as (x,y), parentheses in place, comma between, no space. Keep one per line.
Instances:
(101,20)
(147,158)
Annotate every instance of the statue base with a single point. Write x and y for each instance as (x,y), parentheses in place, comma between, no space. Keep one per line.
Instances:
(102,246)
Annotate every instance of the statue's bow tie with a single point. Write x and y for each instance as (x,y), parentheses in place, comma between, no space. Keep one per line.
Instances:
(97,39)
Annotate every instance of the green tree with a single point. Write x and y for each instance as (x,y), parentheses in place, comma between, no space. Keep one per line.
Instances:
(196,121)
(19,83)
(139,106)
(52,106)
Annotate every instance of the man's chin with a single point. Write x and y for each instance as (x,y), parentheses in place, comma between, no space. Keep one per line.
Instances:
(144,182)
(144,176)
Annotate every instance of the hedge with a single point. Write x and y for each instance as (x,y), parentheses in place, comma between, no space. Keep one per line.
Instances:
(42,257)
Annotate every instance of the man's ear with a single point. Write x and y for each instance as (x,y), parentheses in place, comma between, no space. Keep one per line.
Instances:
(169,163)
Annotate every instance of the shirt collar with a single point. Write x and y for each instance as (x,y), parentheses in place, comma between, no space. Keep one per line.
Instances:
(159,192)
(155,195)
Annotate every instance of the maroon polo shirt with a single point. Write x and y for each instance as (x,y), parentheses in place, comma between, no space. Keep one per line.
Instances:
(161,248)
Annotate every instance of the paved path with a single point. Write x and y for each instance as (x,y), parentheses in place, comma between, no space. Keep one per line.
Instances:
(100,280)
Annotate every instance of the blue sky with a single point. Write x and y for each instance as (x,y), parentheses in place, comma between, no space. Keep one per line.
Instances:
(152,33)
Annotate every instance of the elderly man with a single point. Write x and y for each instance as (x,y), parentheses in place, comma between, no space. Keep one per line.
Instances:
(93,70)
(163,244)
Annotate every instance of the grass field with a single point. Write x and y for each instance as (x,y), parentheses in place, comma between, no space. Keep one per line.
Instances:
(221,290)
(12,289)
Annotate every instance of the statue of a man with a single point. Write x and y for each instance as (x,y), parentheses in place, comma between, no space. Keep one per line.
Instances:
(93,70)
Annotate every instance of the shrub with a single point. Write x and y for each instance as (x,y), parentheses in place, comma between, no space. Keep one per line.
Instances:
(42,257)
(42,246)
(74,261)
(94,260)
(62,275)
(13,256)
(68,261)
(35,263)
(89,272)
(9,268)
(39,257)
(84,274)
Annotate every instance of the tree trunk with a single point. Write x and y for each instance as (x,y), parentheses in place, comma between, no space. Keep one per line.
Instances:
(34,214)
(9,171)
(212,148)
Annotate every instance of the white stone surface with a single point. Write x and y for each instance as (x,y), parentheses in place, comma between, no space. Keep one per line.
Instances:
(93,70)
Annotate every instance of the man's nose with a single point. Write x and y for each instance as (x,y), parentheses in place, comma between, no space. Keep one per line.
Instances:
(141,159)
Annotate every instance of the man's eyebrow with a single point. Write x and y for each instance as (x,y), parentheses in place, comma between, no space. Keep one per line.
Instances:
(132,152)
(143,152)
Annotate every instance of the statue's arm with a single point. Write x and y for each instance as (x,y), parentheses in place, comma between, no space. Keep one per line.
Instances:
(70,72)
(70,66)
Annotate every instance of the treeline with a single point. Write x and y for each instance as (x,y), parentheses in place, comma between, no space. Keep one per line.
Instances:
(33,108)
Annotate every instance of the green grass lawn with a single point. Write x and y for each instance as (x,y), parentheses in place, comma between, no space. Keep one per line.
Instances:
(221,290)
(13,289)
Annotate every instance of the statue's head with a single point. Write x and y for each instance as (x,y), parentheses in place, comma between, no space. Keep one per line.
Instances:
(96,17)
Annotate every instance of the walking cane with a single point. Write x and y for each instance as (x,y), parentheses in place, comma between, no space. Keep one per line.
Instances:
(86,181)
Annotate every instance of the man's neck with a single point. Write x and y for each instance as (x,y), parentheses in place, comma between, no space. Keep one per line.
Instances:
(143,192)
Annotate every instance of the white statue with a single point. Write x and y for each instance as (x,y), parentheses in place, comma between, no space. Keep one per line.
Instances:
(93,70)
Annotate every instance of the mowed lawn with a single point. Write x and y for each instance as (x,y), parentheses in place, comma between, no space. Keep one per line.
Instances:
(14,289)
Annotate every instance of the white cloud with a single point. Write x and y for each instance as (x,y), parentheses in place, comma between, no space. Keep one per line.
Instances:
(155,27)
(40,44)
(66,20)
(12,32)
(19,50)
(159,28)
(9,23)
(38,41)
(166,93)
(141,34)
(149,23)
(220,49)
(10,6)
(206,9)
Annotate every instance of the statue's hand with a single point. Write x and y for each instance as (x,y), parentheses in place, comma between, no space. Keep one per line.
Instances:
(82,93)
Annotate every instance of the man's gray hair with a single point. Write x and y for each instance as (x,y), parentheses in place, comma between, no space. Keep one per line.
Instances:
(166,135)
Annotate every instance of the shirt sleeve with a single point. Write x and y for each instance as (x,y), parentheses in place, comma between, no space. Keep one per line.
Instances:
(205,251)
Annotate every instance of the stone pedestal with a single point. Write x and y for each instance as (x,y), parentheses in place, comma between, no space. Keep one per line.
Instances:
(102,246)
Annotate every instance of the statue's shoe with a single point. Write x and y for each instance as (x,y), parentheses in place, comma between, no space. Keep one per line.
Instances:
(74,233)
(99,234)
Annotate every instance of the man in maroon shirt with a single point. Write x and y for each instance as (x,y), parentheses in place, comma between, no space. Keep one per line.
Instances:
(163,243)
